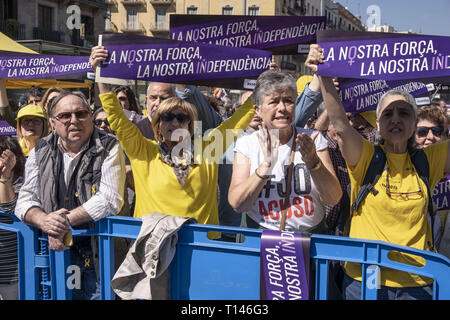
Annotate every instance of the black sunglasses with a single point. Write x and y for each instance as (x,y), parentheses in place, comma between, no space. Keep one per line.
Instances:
(65,117)
(98,122)
(169,116)
(423,131)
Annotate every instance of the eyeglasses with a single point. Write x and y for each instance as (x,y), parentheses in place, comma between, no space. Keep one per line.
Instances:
(423,131)
(33,121)
(414,195)
(65,117)
(98,122)
(169,116)
(34,101)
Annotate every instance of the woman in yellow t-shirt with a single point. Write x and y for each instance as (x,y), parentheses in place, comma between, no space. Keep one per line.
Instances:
(398,213)
(171,175)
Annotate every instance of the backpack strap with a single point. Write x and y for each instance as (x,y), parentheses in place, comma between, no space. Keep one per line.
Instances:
(374,172)
(422,167)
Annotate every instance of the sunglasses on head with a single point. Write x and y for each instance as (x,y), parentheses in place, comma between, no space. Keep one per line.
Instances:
(98,122)
(423,131)
(169,116)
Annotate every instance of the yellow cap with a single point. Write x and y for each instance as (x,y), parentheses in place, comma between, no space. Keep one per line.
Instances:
(302,81)
(370,117)
(31,110)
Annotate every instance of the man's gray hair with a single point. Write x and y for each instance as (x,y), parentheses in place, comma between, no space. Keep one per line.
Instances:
(66,93)
(172,86)
(270,81)
(409,98)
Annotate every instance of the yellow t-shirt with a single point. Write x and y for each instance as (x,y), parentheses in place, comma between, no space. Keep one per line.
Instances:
(156,186)
(400,219)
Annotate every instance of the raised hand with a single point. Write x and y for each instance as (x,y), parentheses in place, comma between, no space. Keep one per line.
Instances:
(7,163)
(98,55)
(307,148)
(269,142)
(315,57)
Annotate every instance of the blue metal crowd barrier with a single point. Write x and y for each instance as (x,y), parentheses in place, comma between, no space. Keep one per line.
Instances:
(205,269)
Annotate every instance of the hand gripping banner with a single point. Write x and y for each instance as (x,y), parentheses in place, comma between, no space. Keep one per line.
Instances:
(135,57)
(277,34)
(285,265)
(385,56)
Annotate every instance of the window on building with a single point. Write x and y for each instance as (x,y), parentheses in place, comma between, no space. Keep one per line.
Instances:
(45,17)
(132,18)
(227,10)
(108,19)
(307,9)
(8,9)
(253,11)
(192,10)
(161,18)
(87,27)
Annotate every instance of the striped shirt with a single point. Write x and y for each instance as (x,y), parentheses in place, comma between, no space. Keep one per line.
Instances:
(108,200)
(8,241)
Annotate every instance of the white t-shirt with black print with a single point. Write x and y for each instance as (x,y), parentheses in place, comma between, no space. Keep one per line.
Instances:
(306,209)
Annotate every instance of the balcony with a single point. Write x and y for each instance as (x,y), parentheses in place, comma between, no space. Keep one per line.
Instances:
(133,28)
(161,2)
(13,29)
(159,28)
(133,2)
(96,3)
(49,35)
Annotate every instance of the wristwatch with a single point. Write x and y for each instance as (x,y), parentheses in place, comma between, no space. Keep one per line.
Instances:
(65,217)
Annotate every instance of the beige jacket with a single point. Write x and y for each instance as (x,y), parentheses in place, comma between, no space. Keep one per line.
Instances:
(144,274)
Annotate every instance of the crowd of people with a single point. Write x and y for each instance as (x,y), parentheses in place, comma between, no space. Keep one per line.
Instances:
(298,164)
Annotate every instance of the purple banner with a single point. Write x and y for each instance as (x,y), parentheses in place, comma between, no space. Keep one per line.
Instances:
(363,95)
(284,265)
(441,194)
(6,129)
(42,66)
(163,60)
(277,34)
(386,56)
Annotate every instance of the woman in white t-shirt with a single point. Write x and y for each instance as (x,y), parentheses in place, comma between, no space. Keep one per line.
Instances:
(262,159)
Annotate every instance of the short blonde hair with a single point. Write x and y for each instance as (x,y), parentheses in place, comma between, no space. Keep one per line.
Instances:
(169,105)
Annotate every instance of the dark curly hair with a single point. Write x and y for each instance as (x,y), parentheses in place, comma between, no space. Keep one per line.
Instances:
(131,97)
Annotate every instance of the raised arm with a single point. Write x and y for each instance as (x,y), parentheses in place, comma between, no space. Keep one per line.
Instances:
(5,111)
(206,114)
(349,140)
(307,102)
(231,128)
(131,139)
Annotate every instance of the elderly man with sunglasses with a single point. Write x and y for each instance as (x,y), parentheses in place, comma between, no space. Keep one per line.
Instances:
(73,177)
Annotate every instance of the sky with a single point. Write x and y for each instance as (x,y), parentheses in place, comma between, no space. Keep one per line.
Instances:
(429,17)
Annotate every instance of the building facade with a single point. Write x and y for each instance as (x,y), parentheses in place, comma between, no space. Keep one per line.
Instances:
(68,23)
